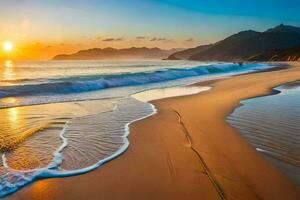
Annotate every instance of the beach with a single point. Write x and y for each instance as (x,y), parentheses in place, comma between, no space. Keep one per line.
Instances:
(185,151)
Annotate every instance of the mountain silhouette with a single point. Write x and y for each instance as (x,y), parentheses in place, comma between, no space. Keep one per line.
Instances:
(248,45)
(117,54)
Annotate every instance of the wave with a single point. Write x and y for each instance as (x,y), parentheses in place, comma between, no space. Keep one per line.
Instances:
(98,82)
(77,131)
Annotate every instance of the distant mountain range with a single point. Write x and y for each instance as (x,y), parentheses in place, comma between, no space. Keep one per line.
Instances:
(281,43)
(117,54)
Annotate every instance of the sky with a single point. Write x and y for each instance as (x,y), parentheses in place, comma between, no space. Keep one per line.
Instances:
(42,29)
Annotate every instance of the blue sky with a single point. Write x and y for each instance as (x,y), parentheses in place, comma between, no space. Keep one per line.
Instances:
(118,23)
(280,10)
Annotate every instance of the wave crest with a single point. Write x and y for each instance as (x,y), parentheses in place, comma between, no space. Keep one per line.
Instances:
(98,82)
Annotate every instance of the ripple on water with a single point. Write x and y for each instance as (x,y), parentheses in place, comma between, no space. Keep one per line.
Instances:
(272,125)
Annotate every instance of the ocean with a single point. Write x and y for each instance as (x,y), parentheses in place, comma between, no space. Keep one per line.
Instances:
(65,118)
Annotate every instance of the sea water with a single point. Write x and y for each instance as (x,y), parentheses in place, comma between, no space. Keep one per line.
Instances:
(65,118)
(272,125)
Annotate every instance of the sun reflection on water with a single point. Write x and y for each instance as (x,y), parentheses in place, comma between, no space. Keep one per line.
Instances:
(10,123)
(13,115)
(8,71)
(9,100)
(11,120)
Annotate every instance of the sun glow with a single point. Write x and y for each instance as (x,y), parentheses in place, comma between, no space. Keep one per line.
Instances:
(8,46)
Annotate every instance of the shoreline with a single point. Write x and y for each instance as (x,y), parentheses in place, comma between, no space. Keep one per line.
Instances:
(177,155)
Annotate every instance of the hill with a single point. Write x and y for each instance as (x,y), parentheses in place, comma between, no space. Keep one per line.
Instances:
(117,54)
(186,54)
(289,54)
(246,45)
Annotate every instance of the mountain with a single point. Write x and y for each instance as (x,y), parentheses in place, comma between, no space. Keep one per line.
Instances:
(289,54)
(185,54)
(246,45)
(117,54)
(234,47)
(284,28)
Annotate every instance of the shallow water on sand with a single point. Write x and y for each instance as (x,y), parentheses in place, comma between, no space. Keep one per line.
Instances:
(61,119)
(162,93)
(272,125)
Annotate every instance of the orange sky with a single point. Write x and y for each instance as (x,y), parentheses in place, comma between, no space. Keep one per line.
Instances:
(34,50)
(43,29)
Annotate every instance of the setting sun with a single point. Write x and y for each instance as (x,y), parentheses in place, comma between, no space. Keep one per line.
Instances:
(8,46)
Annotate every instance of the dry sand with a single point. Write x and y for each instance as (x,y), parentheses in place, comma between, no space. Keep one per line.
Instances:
(186,151)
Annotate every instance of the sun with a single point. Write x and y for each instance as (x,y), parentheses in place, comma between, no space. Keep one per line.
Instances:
(8,46)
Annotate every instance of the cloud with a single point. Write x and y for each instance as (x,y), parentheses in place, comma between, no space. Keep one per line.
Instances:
(190,40)
(157,39)
(141,37)
(112,39)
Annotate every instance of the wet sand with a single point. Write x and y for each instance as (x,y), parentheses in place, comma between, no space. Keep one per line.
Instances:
(185,151)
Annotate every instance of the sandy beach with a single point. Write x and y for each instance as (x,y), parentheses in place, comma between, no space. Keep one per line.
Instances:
(185,151)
